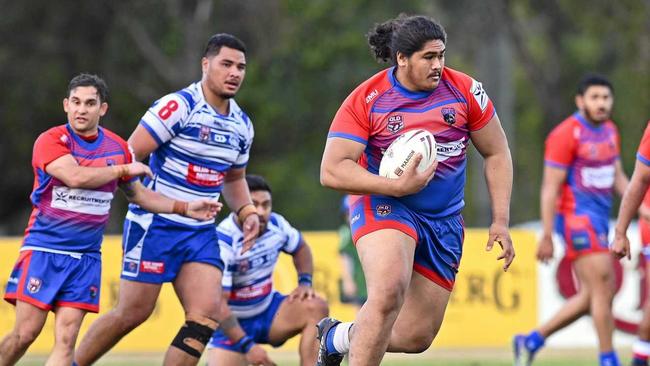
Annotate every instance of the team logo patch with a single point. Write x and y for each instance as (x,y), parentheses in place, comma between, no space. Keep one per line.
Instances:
(449,114)
(383,209)
(395,123)
(243,266)
(93,291)
(34,285)
(204,133)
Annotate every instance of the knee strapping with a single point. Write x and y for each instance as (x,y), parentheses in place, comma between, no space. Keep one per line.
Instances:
(194,334)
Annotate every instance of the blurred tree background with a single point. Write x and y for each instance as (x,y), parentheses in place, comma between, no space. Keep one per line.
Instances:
(304,58)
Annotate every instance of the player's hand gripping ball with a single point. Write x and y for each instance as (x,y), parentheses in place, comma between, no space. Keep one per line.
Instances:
(404,149)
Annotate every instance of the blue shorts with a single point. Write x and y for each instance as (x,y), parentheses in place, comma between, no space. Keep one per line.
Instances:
(439,241)
(256,327)
(47,280)
(155,248)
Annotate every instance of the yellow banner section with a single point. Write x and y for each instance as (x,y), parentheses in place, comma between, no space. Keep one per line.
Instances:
(487,305)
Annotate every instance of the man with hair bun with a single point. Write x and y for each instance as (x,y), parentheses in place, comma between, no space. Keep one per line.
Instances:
(409,231)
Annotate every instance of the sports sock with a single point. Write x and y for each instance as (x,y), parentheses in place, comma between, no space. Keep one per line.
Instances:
(534,341)
(338,339)
(641,352)
(609,359)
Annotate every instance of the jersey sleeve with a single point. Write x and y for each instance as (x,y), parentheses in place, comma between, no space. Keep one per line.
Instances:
(227,254)
(294,237)
(245,144)
(561,146)
(165,117)
(352,120)
(129,157)
(643,153)
(48,147)
(480,107)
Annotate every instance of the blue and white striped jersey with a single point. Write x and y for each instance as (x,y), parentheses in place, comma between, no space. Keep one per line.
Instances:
(197,146)
(249,276)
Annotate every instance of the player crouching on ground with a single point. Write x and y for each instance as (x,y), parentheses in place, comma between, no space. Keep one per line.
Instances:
(252,312)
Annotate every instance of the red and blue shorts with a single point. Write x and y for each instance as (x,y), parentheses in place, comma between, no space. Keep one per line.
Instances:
(439,241)
(582,234)
(48,280)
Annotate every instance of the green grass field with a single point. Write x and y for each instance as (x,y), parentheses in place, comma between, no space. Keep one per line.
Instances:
(446,357)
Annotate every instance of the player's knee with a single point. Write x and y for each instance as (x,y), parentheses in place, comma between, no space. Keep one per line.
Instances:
(317,307)
(26,335)
(194,334)
(386,304)
(419,344)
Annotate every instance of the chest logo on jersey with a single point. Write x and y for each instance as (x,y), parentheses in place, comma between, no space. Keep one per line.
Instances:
(204,133)
(383,210)
(449,115)
(202,176)
(395,123)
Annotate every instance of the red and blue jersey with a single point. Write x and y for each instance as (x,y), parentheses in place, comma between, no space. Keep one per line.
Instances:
(381,109)
(589,154)
(72,220)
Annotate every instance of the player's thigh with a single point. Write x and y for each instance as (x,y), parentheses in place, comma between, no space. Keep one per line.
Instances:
(29,319)
(423,310)
(292,317)
(222,357)
(198,286)
(137,299)
(595,271)
(387,259)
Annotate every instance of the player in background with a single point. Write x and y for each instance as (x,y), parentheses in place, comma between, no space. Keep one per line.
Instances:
(252,312)
(408,235)
(637,196)
(582,169)
(77,167)
(198,142)
(353,284)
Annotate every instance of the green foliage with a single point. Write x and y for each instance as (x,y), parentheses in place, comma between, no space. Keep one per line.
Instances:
(304,59)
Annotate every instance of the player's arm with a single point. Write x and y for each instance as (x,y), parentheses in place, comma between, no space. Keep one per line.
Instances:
(340,171)
(491,143)
(228,324)
(554,178)
(620,178)
(142,142)
(304,263)
(629,205)
(238,198)
(67,170)
(202,209)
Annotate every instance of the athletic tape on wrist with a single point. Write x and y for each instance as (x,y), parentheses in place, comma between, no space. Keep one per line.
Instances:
(305,279)
(180,207)
(245,211)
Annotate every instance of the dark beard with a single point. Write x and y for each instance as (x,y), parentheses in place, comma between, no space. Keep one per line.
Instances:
(593,119)
(226,95)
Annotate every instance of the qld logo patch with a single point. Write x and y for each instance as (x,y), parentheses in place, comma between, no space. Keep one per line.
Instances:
(449,115)
(383,210)
(204,133)
(395,123)
(34,285)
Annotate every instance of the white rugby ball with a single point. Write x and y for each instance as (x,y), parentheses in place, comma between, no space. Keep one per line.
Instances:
(401,151)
